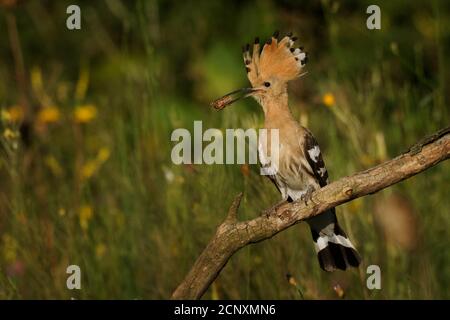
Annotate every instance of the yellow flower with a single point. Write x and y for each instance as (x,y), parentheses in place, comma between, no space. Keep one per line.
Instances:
(16,113)
(88,169)
(85,113)
(9,134)
(48,115)
(12,114)
(100,250)
(328,99)
(103,154)
(85,215)
(5,115)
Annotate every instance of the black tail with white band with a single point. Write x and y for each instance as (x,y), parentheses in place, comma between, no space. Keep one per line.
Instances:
(333,247)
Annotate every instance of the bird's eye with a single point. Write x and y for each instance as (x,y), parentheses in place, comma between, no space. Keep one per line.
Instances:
(267,84)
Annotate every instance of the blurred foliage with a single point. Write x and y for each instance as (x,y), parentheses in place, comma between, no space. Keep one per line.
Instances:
(86,118)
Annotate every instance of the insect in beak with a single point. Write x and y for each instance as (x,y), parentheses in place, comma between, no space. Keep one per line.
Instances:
(234,96)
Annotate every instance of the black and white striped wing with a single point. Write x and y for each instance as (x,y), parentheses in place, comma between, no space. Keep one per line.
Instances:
(314,157)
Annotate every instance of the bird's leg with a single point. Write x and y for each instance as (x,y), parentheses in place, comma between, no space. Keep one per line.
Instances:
(307,195)
(273,209)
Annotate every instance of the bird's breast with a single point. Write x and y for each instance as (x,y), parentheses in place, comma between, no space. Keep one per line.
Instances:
(285,162)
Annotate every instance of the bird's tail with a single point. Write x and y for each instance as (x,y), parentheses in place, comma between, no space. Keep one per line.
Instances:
(334,249)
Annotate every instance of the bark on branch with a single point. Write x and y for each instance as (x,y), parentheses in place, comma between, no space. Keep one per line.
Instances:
(232,234)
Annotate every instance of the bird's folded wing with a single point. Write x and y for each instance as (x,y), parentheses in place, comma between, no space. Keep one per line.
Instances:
(314,157)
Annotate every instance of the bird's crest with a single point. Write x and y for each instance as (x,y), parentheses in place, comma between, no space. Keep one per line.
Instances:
(278,59)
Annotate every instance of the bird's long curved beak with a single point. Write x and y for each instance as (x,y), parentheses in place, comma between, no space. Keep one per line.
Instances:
(232,97)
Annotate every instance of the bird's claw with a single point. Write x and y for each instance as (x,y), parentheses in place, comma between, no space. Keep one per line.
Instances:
(307,196)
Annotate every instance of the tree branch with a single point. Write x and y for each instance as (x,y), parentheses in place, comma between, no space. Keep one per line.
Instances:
(232,234)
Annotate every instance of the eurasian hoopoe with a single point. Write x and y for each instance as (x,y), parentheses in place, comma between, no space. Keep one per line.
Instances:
(300,169)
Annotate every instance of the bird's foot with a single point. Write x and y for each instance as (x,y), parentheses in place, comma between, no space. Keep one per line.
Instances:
(307,196)
(273,210)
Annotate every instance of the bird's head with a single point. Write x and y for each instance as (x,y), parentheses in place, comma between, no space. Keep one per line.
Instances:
(269,70)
